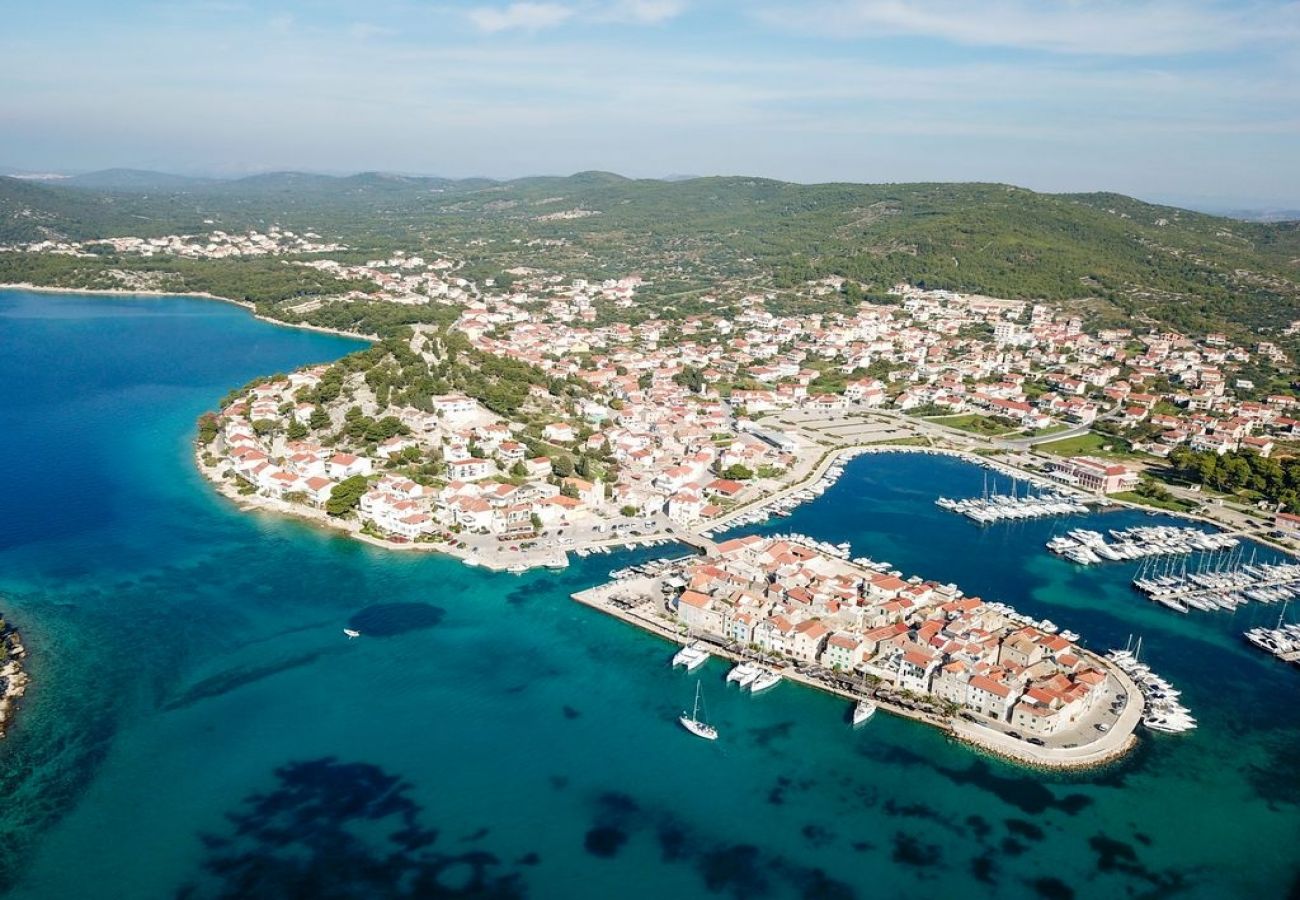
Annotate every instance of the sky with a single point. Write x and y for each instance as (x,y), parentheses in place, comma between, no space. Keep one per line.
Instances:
(1192,101)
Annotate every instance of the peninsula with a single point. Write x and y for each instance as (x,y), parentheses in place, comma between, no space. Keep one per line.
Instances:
(978,669)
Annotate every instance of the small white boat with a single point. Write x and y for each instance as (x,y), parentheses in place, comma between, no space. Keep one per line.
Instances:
(694,724)
(351,633)
(864,710)
(517,569)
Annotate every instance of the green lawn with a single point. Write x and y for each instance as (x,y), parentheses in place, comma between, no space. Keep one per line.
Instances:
(974,423)
(1050,429)
(1173,503)
(1090,444)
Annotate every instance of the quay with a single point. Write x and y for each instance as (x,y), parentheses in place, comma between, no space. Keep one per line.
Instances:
(640,602)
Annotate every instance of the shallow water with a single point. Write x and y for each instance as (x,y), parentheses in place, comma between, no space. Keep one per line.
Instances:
(199,722)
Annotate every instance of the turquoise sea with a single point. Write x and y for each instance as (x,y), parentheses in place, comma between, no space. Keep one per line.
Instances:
(200,727)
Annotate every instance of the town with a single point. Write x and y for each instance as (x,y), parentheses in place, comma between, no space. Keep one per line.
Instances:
(974,667)
(630,431)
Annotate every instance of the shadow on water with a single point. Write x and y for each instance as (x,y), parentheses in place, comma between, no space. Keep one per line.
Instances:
(226,682)
(740,870)
(392,619)
(330,829)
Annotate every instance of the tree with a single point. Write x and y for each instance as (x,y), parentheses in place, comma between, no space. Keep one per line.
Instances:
(562,465)
(519,470)
(297,431)
(207,428)
(319,419)
(628,511)
(737,472)
(346,495)
(690,378)
(262,427)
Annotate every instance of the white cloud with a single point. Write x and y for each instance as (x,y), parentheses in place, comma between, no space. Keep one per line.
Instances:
(520,16)
(1105,27)
(534,16)
(641,12)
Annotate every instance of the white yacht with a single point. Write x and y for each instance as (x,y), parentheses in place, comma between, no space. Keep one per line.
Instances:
(863,711)
(694,724)
(691,656)
(743,674)
(766,679)
(351,633)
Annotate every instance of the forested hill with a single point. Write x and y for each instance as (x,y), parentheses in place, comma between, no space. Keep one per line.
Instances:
(1111,254)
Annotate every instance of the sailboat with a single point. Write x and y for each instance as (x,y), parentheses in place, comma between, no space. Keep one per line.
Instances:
(694,724)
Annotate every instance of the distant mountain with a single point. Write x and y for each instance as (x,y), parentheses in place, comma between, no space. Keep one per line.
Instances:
(133,180)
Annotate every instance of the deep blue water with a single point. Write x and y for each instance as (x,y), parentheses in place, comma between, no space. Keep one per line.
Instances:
(199,723)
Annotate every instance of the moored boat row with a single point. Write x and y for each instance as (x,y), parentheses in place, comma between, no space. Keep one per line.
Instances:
(1283,641)
(1163,711)
(999,507)
(1086,547)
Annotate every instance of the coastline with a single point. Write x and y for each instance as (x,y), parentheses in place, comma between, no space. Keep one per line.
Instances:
(690,534)
(199,295)
(12,674)
(1107,749)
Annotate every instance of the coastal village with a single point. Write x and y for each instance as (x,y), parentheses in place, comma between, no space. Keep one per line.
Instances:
(675,422)
(1028,365)
(543,418)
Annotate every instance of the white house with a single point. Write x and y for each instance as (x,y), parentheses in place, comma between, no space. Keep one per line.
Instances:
(345,465)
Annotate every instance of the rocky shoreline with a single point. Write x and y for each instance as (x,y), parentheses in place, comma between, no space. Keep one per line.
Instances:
(13,678)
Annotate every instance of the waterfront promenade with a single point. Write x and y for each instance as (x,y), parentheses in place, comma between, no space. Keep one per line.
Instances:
(641,602)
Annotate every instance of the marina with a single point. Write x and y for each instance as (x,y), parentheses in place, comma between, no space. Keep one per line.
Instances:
(992,506)
(1216,581)
(1086,547)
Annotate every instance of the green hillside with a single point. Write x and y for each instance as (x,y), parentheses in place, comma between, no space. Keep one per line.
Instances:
(1113,256)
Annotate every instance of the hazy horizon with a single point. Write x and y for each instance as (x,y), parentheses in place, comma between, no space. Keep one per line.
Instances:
(1194,102)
